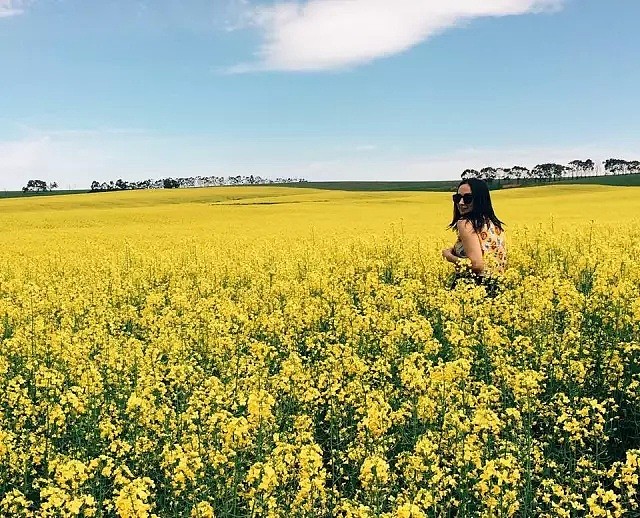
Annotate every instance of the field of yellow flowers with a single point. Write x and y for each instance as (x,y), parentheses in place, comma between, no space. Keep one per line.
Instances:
(285,352)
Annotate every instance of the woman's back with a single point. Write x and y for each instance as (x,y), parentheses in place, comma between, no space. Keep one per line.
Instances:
(493,244)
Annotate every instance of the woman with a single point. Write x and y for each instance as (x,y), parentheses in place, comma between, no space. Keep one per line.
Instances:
(481,236)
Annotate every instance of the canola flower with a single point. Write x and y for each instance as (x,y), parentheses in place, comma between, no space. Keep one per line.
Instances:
(283,352)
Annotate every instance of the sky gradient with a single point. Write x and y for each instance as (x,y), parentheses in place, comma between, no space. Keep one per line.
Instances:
(321,89)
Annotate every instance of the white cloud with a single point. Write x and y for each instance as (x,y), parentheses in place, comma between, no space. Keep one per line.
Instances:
(330,34)
(11,7)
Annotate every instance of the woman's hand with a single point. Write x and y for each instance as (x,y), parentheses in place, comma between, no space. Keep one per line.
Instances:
(448,254)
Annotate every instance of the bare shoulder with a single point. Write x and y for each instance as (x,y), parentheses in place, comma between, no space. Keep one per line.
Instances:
(464,226)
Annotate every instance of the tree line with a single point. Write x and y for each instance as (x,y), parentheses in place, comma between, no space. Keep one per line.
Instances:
(165,183)
(553,171)
(192,181)
(541,172)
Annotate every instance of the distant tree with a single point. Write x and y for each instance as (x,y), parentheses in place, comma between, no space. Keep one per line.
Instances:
(488,174)
(121,185)
(576,168)
(532,174)
(518,172)
(170,183)
(615,166)
(538,172)
(53,185)
(187,182)
(503,174)
(581,167)
(633,167)
(469,173)
(36,186)
(558,171)
(549,171)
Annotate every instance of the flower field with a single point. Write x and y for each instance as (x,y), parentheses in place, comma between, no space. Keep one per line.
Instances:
(284,352)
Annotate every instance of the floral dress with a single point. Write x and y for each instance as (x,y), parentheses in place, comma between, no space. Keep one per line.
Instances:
(493,244)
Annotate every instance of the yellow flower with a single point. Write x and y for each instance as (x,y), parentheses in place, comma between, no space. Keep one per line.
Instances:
(202,510)
(374,472)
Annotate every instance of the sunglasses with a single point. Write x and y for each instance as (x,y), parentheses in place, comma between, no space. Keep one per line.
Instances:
(467,198)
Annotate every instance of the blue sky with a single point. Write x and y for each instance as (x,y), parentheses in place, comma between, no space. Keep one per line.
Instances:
(320,89)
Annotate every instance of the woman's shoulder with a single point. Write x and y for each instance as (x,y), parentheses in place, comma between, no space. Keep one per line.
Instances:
(464,226)
(492,228)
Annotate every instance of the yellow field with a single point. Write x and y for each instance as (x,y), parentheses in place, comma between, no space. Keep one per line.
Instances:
(259,351)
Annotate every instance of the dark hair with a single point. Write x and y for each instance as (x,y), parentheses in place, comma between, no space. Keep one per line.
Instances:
(482,209)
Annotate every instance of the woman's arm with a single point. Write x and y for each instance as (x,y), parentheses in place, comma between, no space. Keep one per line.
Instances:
(471,245)
(449,255)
